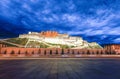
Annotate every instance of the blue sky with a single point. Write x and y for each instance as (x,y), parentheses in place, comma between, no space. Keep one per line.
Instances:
(94,20)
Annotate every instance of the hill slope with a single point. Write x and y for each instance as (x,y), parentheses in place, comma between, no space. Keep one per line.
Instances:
(25,42)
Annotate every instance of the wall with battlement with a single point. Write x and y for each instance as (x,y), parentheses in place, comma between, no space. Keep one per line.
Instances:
(14,51)
(115,47)
(53,52)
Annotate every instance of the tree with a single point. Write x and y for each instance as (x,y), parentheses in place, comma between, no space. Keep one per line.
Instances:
(45,52)
(26,53)
(62,51)
(107,52)
(12,52)
(56,51)
(19,52)
(97,52)
(32,52)
(73,52)
(50,52)
(101,52)
(68,51)
(5,52)
(39,51)
(88,52)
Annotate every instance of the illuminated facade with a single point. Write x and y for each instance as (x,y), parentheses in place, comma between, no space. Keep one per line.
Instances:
(54,38)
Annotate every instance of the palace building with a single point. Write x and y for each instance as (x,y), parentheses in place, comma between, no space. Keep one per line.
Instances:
(54,37)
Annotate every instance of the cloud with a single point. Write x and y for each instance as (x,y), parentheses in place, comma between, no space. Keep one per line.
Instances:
(70,18)
(98,19)
(117,39)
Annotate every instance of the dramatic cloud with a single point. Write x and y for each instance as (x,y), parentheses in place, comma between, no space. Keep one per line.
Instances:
(95,20)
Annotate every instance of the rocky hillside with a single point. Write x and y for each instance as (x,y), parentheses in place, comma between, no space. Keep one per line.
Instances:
(26,43)
(21,41)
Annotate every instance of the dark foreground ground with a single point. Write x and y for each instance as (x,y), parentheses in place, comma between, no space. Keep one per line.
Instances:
(60,69)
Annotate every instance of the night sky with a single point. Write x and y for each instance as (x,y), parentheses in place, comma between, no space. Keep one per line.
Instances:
(94,20)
